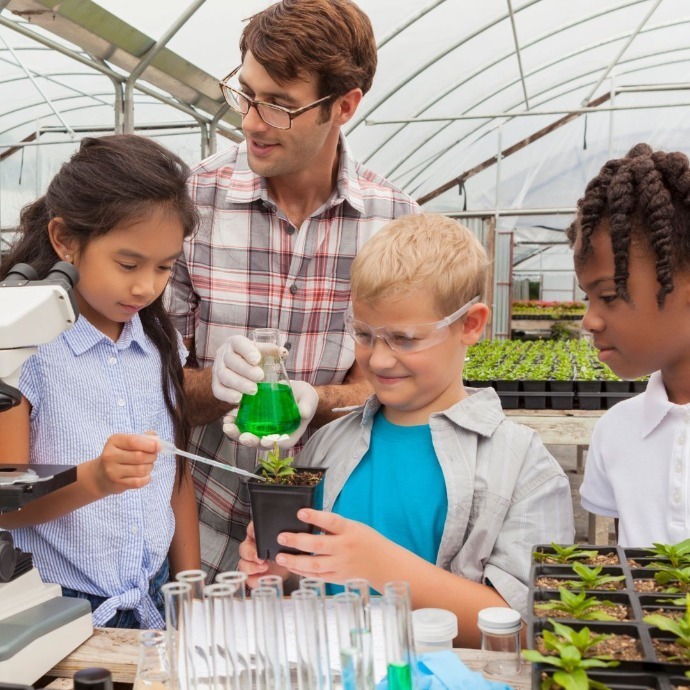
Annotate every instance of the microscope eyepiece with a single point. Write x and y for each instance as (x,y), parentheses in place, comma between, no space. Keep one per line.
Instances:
(20,273)
(63,273)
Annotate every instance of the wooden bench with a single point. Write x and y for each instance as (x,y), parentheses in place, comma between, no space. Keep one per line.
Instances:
(568,427)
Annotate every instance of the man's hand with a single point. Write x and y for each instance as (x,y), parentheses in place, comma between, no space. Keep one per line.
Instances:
(236,370)
(307,400)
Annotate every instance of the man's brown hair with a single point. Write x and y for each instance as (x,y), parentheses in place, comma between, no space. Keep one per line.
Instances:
(332,39)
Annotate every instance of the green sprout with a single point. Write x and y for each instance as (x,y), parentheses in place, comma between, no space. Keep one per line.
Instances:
(577,606)
(591,578)
(564,554)
(677,579)
(275,468)
(570,648)
(679,628)
(677,554)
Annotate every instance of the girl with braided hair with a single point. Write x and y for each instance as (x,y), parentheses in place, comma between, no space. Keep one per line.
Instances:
(631,242)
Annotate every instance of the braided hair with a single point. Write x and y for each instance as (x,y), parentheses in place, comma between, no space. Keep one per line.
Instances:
(644,196)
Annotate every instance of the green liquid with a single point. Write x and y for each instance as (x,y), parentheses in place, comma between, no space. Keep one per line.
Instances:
(399,677)
(271,410)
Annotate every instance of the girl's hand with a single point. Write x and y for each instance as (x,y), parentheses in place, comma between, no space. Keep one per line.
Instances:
(348,549)
(125,463)
(253,566)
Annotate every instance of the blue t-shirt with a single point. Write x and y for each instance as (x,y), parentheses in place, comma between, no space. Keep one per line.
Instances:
(398,488)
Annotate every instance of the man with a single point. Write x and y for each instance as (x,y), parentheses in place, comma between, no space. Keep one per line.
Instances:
(282,217)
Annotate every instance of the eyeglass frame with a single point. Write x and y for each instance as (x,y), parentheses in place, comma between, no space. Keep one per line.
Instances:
(292,114)
(379,331)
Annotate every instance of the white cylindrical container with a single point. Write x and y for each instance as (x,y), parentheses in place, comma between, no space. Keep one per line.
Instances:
(434,629)
(500,629)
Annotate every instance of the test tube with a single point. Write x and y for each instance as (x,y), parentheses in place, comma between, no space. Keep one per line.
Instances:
(197,580)
(317,585)
(361,586)
(272,671)
(276,583)
(178,626)
(237,632)
(397,632)
(349,619)
(310,673)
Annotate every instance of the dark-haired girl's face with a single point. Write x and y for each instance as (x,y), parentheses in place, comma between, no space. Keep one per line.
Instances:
(126,269)
(635,337)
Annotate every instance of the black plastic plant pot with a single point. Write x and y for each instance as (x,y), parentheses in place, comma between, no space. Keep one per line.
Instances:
(542,596)
(663,663)
(566,573)
(611,679)
(615,391)
(562,395)
(508,393)
(640,387)
(534,393)
(589,394)
(643,558)
(274,510)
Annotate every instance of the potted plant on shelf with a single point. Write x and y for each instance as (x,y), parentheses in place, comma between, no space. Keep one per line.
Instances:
(274,502)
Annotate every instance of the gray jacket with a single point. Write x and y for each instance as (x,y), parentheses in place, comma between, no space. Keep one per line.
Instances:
(506,493)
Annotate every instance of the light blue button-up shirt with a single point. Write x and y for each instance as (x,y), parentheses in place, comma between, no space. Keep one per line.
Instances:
(83,387)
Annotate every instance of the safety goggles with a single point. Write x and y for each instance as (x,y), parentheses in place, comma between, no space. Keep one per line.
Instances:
(411,338)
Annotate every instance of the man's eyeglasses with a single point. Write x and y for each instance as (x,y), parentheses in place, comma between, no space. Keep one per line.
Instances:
(273,115)
(412,338)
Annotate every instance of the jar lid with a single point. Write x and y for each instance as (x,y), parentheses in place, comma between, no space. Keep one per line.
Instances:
(434,625)
(497,619)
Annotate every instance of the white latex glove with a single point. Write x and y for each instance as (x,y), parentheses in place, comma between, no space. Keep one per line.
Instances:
(235,370)
(307,400)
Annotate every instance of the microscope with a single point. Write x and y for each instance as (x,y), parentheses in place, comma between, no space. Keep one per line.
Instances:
(38,626)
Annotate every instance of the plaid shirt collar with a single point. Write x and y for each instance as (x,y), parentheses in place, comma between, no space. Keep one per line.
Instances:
(246,187)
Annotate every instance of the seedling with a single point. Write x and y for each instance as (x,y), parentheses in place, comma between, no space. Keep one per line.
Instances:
(677,579)
(679,628)
(564,554)
(276,468)
(569,647)
(577,606)
(591,578)
(677,554)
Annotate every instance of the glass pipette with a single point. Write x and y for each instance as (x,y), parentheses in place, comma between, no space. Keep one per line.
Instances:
(167,447)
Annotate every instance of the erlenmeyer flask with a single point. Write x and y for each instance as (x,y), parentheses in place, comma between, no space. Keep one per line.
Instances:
(272,409)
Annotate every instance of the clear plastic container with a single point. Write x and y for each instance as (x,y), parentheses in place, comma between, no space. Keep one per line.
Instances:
(500,630)
(434,630)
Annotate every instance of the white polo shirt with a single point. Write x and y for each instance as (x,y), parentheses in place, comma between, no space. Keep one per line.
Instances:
(638,468)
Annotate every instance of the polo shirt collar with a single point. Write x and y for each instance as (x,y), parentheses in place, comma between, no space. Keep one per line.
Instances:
(83,336)
(245,186)
(480,412)
(655,404)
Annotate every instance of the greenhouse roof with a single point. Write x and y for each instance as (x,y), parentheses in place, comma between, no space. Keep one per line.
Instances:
(555,87)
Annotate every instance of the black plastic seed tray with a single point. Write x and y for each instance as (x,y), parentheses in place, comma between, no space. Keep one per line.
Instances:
(652,670)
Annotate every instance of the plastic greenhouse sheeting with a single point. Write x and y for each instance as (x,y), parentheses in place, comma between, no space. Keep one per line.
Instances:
(438,59)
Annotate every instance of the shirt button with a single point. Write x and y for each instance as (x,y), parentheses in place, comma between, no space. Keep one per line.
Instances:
(121,402)
(679,467)
(288,346)
(289,230)
(676,497)
(293,289)
(112,360)
(681,439)
(135,529)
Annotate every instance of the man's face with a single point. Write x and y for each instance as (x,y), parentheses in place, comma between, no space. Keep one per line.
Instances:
(637,337)
(283,152)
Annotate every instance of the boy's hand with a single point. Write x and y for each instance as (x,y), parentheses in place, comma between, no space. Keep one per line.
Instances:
(253,566)
(125,463)
(348,549)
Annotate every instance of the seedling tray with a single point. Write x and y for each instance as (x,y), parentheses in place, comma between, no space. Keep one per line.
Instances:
(649,672)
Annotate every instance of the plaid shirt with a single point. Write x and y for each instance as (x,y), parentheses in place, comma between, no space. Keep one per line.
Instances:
(248,267)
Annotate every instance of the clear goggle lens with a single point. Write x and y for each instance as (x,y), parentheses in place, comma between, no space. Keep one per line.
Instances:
(410,338)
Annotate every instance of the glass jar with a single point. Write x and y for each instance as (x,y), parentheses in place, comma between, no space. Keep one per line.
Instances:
(153,670)
(434,630)
(500,632)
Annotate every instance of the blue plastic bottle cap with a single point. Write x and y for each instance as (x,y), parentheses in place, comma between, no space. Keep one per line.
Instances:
(498,620)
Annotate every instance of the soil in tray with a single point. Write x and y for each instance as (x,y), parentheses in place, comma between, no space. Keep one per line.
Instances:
(620,612)
(621,647)
(599,559)
(665,649)
(556,582)
(650,585)
(676,613)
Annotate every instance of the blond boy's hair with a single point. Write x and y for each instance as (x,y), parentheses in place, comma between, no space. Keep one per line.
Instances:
(427,252)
